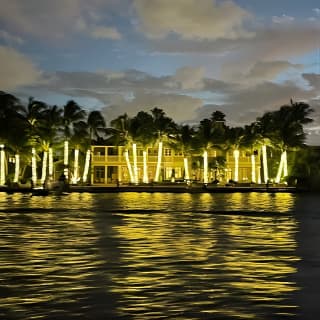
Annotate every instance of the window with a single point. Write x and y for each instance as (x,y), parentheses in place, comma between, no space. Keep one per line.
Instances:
(99,174)
(167,152)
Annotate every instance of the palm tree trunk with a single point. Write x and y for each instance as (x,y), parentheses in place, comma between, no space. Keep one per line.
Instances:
(2,166)
(135,166)
(145,167)
(186,169)
(126,156)
(236,165)
(283,167)
(16,168)
(265,164)
(66,159)
(75,177)
(253,168)
(205,166)
(50,164)
(156,177)
(34,167)
(44,167)
(86,166)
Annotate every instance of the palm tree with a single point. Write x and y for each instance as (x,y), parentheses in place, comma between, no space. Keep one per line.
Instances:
(141,126)
(235,136)
(72,114)
(182,142)
(120,134)
(163,126)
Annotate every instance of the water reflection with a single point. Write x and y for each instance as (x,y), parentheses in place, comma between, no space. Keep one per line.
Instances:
(96,256)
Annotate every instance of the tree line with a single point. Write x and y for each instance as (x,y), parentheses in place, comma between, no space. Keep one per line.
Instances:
(36,132)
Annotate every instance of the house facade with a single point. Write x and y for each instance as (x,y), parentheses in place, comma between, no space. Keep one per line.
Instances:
(109,166)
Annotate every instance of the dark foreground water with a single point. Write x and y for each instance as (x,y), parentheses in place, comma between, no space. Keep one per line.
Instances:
(160,256)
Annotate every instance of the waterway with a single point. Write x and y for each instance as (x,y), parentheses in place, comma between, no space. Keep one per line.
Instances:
(160,256)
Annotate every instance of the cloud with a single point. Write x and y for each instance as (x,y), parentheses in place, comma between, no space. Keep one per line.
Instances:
(106,33)
(188,78)
(16,70)
(282,19)
(191,19)
(9,38)
(316,11)
(269,70)
(58,19)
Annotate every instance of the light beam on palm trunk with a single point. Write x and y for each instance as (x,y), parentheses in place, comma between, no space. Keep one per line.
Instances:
(236,165)
(16,168)
(126,156)
(186,169)
(205,166)
(75,177)
(156,178)
(265,163)
(145,167)
(50,169)
(66,159)
(44,167)
(86,166)
(253,168)
(2,166)
(135,166)
(283,167)
(34,167)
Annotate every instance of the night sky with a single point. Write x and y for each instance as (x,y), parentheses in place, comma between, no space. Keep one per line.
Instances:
(188,57)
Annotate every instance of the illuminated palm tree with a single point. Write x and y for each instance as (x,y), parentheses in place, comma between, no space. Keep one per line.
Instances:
(163,126)
(72,114)
(182,141)
(120,135)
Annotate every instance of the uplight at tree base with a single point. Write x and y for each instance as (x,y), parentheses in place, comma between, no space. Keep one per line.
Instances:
(2,165)
(44,167)
(145,167)
(186,169)
(253,168)
(236,165)
(16,168)
(205,166)
(156,177)
(126,156)
(265,164)
(34,167)
(86,166)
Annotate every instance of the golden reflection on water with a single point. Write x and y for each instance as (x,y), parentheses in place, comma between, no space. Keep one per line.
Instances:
(90,256)
(208,262)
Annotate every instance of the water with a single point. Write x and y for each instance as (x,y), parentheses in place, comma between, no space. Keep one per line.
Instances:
(159,256)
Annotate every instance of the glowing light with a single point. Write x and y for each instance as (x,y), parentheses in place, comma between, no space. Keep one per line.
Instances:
(186,168)
(34,167)
(126,156)
(236,165)
(283,167)
(265,163)
(75,177)
(156,178)
(205,166)
(66,159)
(86,166)
(253,168)
(2,166)
(16,168)
(145,167)
(44,167)
(135,167)
(50,164)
